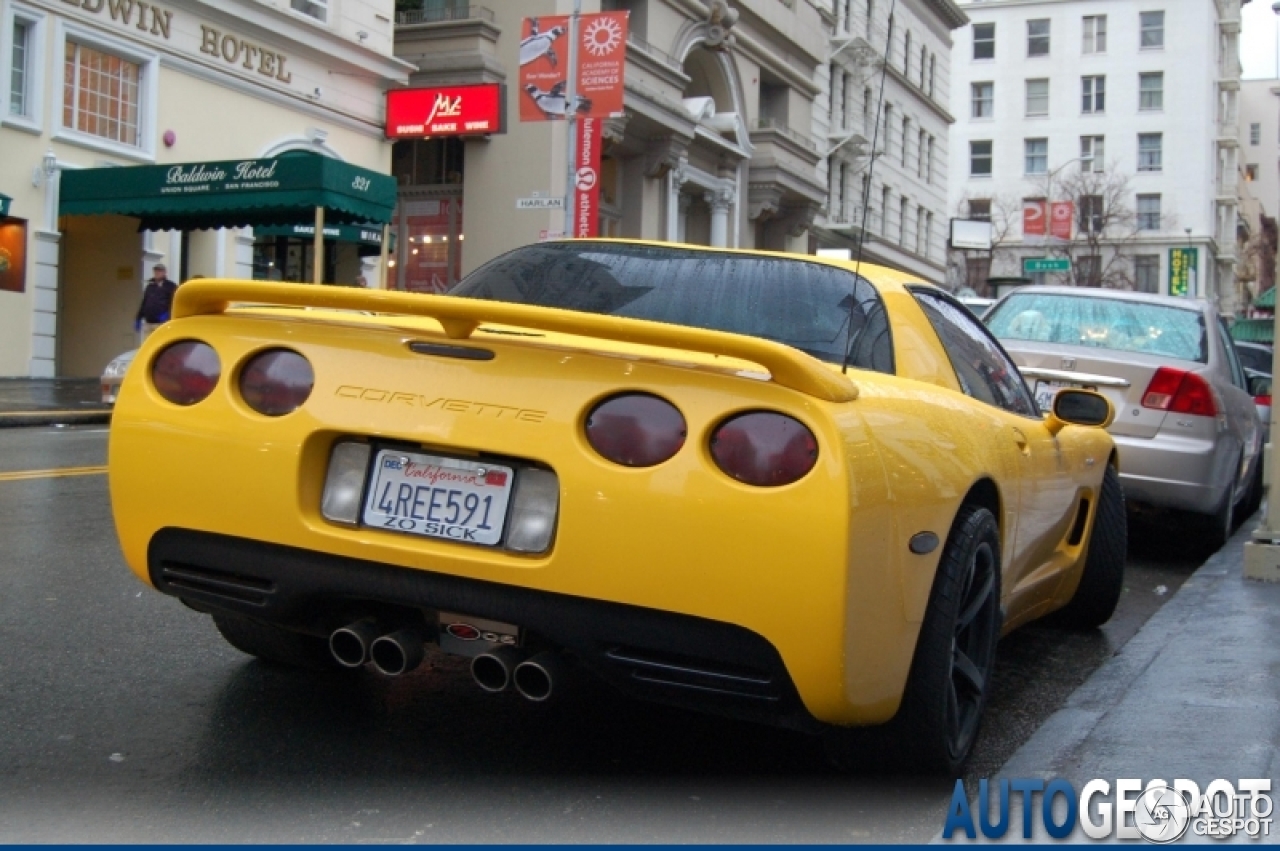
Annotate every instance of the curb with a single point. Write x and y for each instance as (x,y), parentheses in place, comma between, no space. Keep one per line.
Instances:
(21,419)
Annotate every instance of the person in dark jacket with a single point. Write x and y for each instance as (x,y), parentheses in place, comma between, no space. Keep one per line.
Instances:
(157,301)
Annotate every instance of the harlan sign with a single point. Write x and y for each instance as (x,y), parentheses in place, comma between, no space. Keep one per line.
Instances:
(445,111)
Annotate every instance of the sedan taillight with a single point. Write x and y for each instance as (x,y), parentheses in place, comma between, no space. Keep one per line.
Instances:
(186,373)
(276,382)
(1180,392)
(764,448)
(636,429)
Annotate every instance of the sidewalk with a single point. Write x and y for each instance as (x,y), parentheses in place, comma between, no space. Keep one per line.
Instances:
(1195,695)
(51,401)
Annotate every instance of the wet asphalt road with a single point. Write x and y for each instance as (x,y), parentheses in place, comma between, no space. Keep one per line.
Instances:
(126,718)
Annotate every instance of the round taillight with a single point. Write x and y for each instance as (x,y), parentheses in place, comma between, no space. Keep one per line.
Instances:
(276,382)
(186,372)
(764,448)
(636,430)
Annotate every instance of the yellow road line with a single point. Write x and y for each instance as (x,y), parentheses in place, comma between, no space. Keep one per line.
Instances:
(21,475)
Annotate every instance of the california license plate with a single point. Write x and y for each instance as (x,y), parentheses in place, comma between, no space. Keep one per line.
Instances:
(457,499)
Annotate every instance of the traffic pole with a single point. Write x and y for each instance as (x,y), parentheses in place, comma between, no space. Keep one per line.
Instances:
(571,120)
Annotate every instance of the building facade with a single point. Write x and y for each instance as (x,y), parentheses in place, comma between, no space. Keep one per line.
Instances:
(891,60)
(713,146)
(122,84)
(1127,111)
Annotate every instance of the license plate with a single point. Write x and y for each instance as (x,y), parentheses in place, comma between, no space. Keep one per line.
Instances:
(452,498)
(1046,390)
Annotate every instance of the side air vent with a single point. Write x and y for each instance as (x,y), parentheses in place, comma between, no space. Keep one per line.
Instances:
(216,583)
(1082,517)
(697,674)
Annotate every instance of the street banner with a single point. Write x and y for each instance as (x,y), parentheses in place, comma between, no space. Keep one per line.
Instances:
(1060,216)
(586,183)
(1033,216)
(544,65)
(1182,271)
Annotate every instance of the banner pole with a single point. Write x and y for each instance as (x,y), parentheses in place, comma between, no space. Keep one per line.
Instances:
(571,119)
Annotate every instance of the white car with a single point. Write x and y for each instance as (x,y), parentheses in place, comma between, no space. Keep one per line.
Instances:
(113,375)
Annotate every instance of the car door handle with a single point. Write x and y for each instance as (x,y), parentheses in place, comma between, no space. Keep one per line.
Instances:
(1021,439)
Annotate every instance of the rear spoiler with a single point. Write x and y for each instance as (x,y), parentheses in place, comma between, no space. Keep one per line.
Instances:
(460,317)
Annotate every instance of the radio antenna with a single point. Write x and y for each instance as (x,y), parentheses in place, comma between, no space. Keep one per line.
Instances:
(866,185)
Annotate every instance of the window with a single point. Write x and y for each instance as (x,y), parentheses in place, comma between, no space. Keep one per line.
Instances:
(920,231)
(1037,97)
(980,209)
(871,16)
(980,159)
(19,70)
(1152,27)
(101,94)
(1038,37)
(924,55)
(1146,273)
(906,138)
(903,206)
(1091,213)
(1095,34)
(928,163)
(984,41)
(984,99)
(318,9)
(933,61)
(1251,172)
(1255,133)
(983,369)
(1151,90)
(1089,270)
(1093,92)
(906,55)
(921,143)
(1037,151)
(928,234)
(888,128)
(1150,151)
(1091,153)
(977,268)
(1148,212)
(884,211)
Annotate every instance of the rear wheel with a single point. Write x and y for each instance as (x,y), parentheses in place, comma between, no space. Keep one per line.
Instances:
(947,690)
(1253,499)
(1103,577)
(1220,524)
(273,644)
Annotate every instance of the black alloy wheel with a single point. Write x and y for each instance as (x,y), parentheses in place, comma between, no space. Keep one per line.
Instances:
(973,648)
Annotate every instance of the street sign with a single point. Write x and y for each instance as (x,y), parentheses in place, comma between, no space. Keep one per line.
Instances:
(1046,264)
(538,203)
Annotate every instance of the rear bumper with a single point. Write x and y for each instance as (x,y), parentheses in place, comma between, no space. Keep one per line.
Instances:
(668,658)
(1186,474)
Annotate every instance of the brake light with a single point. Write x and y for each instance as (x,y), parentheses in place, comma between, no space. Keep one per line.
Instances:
(764,448)
(276,382)
(186,373)
(636,430)
(1262,400)
(1180,392)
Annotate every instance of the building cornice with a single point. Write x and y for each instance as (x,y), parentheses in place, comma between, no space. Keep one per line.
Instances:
(949,13)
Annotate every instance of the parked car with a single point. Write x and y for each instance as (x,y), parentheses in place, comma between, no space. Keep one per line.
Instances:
(675,468)
(1255,356)
(113,375)
(1186,425)
(1260,390)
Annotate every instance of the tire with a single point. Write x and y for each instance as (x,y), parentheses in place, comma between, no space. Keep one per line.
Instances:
(1219,525)
(1253,499)
(950,678)
(1102,581)
(275,645)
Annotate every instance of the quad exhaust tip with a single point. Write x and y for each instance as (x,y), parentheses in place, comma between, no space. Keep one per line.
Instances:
(397,653)
(494,669)
(350,644)
(536,679)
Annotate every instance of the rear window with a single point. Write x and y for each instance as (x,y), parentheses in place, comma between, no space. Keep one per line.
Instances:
(809,306)
(1104,323)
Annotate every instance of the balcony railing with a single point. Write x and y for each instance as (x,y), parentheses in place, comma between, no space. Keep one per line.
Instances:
(783,130)
(437,14)
(661,55)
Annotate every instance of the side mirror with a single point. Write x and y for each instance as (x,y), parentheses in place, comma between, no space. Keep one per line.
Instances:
(1079,407)
(1259,385)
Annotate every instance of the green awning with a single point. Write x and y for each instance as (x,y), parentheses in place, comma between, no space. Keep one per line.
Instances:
(366,234)
(1254,330)
(1266,301)
(280,190)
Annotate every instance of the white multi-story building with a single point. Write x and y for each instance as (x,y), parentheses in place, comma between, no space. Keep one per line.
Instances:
(1260,141)
(1126,109)
(890,59)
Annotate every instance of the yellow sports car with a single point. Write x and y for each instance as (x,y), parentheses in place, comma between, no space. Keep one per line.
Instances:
(762,485)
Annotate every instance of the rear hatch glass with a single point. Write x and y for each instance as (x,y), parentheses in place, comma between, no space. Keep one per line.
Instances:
(1112,337)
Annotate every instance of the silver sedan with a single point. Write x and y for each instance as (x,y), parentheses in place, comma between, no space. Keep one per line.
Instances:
(1186,426)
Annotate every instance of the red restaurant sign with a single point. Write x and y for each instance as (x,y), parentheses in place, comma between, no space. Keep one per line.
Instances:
(445,111)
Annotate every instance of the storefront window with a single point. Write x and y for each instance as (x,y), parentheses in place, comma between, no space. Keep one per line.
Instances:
(429,223)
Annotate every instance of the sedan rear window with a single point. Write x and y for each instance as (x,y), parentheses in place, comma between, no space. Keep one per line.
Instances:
(1105,323)
(810,306)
